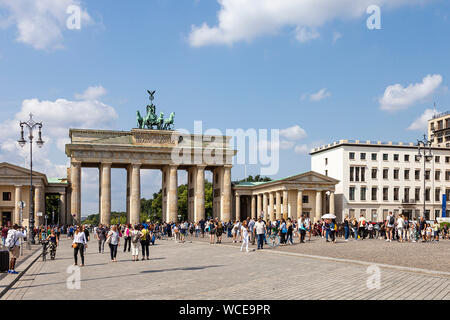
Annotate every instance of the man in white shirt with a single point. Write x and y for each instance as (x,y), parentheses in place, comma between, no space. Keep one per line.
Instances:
(260,230)
(400,226)
(13,243)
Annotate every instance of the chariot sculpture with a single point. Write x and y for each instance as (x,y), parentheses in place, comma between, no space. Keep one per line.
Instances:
(151,120)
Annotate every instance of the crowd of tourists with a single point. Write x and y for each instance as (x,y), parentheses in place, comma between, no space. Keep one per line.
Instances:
(137,239)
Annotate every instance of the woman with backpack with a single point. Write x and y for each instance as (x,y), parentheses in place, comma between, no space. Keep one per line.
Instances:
(219,231)
(135,236)
(283,231)
(211,231)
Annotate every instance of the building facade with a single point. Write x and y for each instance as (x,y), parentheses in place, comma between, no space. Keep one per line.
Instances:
(439,130)
(15,187)
(310,194)
(377,177)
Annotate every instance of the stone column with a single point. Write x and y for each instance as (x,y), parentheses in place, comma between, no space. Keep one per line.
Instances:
(318,205)
(271,205)
(135,194)
(39,205)
(164,194)
(332,203)
(172,194)
(226,194)
(128,192)
(265,205)
(75,172)
(299,203)
(62,209)
(199,201)
(285,204)
(238,207)
(17,198)
(253,209)
(278,205)
(258,205)
(105,199)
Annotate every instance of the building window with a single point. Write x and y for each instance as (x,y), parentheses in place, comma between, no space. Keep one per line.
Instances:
(396,157)
(427,194)
(351,213)
(363,174)
(437,175)
(427,175)
(437,194)
(447,193)
(447,175)
(406,195)
(447,159)
(374,156)
(326,173)
(385,194)
(352,193)
(352,170)
(416,158)
(374,173)
(396,194)
(352,156)
(305,199)
(406,174)
(385,157)
(406,157)
(362,212)
(326,161)
(437,213)
(363,193)
(363,156)
(417,194)
(396,171)
(417,174)
(437,159)
(385,173)
(357,173)
(6,196)
(374,194)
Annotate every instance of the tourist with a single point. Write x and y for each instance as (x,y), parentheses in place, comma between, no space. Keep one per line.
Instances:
(259,230)
(86,233)
(78,244)
(12,242)
(400,227)
(212,231)
(445,231)
(219,231)
(127,238)
(4,231)
(302,228)
(197,229)
(145,243)
(113,240)
(355,228)
(101,238)
(422,228)
(390,224)
(362,227)
(429,232)
(244,232)
(251,226)
(290,230)
(436,230)
(346,227)
(283,231)
(53,243)
(135,236)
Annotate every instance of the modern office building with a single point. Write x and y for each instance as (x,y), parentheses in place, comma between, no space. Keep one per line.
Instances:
(439,130)
(377,177)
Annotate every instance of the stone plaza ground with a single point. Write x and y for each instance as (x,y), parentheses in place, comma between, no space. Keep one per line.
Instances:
(197,270)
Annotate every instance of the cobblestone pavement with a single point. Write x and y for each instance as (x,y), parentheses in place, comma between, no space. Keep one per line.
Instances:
(25,255)
(197,270)
(429,255)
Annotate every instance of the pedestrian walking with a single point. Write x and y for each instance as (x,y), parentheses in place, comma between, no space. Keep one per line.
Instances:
(135,236)
(113,240)
(78,244)
(244,232)
(12,242)
(127,238)
(145,243)
(260,231)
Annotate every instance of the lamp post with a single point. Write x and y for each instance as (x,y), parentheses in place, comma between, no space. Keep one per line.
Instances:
(423,146)
(31,125)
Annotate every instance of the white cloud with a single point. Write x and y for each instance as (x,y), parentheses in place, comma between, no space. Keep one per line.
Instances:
(244,20)
(57,117)
(319,95)
(40,23)
(396,97)
(91,93)
(302,149)
(293,133)
(421,123)
(305,34)
(336,36)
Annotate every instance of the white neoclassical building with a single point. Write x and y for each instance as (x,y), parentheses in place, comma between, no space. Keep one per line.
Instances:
(377,177)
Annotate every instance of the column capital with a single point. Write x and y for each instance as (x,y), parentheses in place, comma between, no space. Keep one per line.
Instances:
(75,163)
(106,163)
(135,164)
(201,166)
(18,186)
(227,166)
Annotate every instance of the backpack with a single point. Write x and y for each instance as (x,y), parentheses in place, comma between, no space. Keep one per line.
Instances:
(391,220)
(135,237)
(10,242)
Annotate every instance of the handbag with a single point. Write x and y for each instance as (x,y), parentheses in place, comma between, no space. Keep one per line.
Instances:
(108,240)
(74,245)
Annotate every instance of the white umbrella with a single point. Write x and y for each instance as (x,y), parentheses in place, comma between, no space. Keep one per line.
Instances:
(329,216)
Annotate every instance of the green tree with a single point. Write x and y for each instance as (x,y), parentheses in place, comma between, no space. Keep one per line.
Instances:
(52,208)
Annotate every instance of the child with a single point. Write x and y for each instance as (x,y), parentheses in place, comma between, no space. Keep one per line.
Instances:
(429,230)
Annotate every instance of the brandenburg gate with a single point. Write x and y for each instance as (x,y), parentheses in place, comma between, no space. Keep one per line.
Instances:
(168,151)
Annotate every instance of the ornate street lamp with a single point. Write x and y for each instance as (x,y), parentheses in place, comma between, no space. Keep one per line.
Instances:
(423,146)
(31,125)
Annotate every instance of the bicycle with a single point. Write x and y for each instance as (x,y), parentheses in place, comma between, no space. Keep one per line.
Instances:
(273,240)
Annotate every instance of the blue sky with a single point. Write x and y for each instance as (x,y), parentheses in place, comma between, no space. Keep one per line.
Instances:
(251,69)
